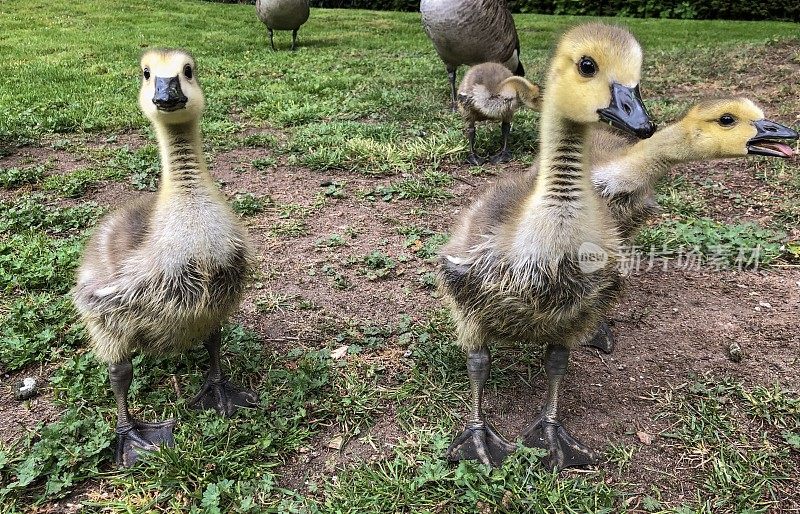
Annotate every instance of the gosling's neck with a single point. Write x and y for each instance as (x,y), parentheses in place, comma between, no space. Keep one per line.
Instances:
(183,164)
(648,160)
(562,181)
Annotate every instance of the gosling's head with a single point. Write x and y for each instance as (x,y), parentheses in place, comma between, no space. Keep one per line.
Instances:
(594,76)
(170,93)
(734,127)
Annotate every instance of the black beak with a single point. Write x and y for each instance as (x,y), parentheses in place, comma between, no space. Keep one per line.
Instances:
(627,112)
(764,142)
(168,95)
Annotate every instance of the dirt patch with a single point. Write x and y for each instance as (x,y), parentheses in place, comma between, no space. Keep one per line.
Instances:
(18,417)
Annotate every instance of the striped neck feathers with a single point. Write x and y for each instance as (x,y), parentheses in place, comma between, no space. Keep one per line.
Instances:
(183,165)
(561,178)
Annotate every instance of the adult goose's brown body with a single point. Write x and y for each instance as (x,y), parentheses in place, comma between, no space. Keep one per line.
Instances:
(283,15)
(471,32)
(516,267)
(162,273)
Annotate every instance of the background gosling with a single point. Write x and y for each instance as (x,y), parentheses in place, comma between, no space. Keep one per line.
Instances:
(160,274)
(489,91)
(471,32)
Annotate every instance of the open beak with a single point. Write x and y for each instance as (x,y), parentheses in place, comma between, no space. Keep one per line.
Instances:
(764,142)
(627,112)
(168,95)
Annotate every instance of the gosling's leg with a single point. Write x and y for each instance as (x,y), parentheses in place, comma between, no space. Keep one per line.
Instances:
(294,40)
(603,339)
(451,74)
(504,155)
(271,42)
(479,440)
(473,158)
(134,435)
(546,432)
(217,393)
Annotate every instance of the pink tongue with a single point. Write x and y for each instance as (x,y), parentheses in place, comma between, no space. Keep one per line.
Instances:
(782,148)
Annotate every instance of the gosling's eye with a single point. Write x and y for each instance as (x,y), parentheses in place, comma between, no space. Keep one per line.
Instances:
(726,120)
(187,70)
(146,73)
(587,67)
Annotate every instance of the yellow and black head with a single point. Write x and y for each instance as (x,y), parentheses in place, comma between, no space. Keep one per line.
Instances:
(594,77)
(170,92)
(735,127)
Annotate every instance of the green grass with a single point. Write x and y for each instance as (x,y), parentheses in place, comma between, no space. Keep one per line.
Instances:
(363,100)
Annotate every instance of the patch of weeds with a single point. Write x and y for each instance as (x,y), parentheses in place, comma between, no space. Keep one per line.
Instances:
(16,177)
(423,242)
(58,456)
(332,241)
(74,184)
(680,198)
(141,166)
(335,190)
(429,187)
(289,228)
(292,222)
(735,435)
(743,245)
(263,163)
(272,302)
(415,474)
(248,204)
(378,264)
(32,261)
(339,280)
(436,386)
(620,455)
(31,212)
(37,328)
(259,141)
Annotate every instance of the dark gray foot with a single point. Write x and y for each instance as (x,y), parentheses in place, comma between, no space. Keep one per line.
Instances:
(501,157)
(223,397)
(474,160)
(603,339)
(481,443)
(564,451)
(140,436)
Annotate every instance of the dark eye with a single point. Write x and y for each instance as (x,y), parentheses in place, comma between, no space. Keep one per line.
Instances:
(587,67)
(146,73)
(726,120)
(187,70)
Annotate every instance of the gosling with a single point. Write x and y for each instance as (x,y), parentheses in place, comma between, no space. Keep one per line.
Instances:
(160,274)
(283,15)
(625,170)
(471,32)
(489,91)
(512,270)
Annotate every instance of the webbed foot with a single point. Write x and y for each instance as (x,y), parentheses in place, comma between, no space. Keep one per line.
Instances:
(141,436)
(564,451)
(501,157)
(603,339)
(481,442)
(223,397)
(475,160)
